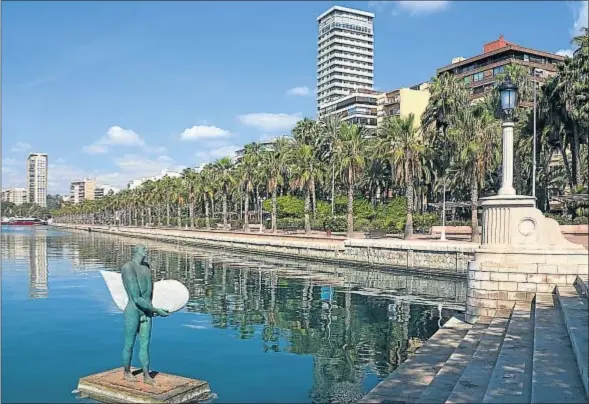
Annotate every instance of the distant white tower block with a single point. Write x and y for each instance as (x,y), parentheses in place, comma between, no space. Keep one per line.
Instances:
(345,53)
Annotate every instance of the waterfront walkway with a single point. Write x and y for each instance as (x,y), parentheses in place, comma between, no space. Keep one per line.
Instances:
(532,354)
(449,258)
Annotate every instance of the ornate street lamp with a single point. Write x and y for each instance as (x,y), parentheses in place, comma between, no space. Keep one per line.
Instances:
(508,95)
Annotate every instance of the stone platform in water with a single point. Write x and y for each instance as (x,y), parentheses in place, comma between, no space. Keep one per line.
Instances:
(111,387)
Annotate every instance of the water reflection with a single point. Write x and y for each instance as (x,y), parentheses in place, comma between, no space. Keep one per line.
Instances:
(32,246)
(357,324)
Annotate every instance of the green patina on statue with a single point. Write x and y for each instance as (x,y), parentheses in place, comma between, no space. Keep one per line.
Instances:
(139,312)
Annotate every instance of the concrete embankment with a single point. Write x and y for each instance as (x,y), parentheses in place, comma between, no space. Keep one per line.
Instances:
(446,258)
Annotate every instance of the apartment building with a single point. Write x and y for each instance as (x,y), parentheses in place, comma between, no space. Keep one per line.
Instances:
(164,173)
(359,107)
(345,53)
(18,196)
(402,102)
(103,190)
(82,190)
(480,71)
(37,171)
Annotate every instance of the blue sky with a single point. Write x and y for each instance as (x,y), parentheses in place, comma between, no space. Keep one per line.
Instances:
(121,90)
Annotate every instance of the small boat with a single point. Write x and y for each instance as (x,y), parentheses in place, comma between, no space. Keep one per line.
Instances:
(23,221)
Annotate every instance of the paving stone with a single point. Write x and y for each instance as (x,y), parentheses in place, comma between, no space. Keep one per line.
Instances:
(576,318)
(472,385)
(443,383)
(512,377)
(407,382)
(555,377)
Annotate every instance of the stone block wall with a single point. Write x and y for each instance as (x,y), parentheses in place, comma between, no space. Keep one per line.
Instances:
(497,280)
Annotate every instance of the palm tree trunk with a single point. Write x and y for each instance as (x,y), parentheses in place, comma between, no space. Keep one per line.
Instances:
(567,166)
(225,210)
(207,214)
(246,220)
(191,213)
(307,211)
(314,197)
(179,215)
(350,231)
(332,188)
(474,217)
(409,197)
(168,214)
(274,210)
(575,157)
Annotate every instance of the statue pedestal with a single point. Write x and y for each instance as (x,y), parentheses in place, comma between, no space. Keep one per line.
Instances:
(111,387)
(521,253)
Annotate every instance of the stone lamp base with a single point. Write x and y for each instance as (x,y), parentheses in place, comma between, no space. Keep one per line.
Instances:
(522,252)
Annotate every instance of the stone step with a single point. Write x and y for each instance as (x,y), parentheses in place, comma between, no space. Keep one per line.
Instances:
(473,382)
(407,382)
(511,381)
(575,310)
(445,380)
(555,377)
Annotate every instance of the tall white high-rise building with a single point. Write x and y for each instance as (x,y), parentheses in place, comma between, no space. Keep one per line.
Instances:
(37,166)
(345,53)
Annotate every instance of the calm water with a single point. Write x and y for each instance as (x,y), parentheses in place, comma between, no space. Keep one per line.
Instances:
(257,329)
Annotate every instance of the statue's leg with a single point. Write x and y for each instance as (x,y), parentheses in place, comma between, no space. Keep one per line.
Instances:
(131,328)
(144,339)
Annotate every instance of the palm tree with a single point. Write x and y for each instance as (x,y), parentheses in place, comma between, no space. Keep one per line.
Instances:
(189,184)
(247,172)
(306,132)
(273,162)
(349,151)
(400,142)
(329,129)
(303,170)
(224,177)
(477,134)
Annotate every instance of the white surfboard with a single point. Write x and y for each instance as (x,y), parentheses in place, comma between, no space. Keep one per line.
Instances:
(168,294)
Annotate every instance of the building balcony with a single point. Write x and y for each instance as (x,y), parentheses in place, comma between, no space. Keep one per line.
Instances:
(389,101)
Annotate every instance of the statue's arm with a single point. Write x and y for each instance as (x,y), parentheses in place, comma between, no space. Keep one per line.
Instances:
(133,291)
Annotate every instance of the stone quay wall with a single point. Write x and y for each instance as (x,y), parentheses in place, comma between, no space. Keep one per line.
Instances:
(498,281)
(445,258)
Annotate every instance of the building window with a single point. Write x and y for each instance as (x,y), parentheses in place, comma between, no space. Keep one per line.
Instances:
(498,70)
(467,79)
(477,76)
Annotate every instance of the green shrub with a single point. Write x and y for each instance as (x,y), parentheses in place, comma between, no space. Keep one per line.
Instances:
(286,206)
(422,223)
(290,222)
(335,223)
(391,216)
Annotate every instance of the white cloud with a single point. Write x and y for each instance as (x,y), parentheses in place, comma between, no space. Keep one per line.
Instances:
(117,136)
(208,156)
(203,131)
(134,167)
(422,7)
(302,91)
(270,122)
(582,17)
(95,148)
(21,147)
(565,52)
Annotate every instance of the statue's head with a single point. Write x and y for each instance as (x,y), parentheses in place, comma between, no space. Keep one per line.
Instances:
(140,251)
